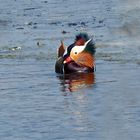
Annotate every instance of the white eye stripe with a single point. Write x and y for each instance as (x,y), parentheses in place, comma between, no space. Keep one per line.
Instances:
(77,49)
(88,42)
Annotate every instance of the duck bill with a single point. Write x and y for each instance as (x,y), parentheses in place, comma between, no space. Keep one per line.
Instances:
(67,60)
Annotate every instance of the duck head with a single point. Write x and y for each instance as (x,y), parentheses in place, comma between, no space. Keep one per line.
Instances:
(82,55)
(79,56)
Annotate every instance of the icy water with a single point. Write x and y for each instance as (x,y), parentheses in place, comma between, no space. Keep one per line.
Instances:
(38,104)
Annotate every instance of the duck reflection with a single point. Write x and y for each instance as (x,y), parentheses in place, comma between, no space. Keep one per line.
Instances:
(76,81)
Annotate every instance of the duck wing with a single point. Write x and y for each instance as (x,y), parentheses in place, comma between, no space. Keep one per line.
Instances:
(61,50)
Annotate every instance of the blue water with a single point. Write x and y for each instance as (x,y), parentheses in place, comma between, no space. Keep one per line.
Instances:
(36,103)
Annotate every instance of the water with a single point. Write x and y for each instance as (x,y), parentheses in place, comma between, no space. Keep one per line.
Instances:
(36,103)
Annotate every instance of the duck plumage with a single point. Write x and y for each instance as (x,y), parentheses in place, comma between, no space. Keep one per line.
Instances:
(78,57)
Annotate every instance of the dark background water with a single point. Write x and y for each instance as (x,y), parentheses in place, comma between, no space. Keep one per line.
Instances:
(36,103)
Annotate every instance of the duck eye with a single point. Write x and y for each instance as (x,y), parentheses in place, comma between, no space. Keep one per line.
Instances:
(75,52)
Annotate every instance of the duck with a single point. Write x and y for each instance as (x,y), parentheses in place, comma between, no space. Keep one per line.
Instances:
(79,57)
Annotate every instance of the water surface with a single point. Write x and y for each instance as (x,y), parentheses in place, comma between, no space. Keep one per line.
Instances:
(36,103)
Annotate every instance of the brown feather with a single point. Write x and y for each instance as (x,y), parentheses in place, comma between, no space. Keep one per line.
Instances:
(61,49)
(80,42)
(85,59)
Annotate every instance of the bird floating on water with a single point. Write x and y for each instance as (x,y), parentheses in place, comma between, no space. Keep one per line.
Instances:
(78,57)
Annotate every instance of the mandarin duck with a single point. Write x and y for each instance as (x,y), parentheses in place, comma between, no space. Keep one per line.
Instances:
(78,57)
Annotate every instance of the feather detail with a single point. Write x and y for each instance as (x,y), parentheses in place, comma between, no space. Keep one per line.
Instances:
(83,36)
(90,47)
(80,42)
(61,49)
(85,59)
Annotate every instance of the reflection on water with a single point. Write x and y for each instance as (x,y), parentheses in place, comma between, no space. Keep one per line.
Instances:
(31,104)
(76,81)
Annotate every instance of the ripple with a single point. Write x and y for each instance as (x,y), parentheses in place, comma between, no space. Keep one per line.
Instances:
(35,103)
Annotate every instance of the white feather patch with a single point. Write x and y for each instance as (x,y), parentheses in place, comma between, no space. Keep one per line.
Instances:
(77,49)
